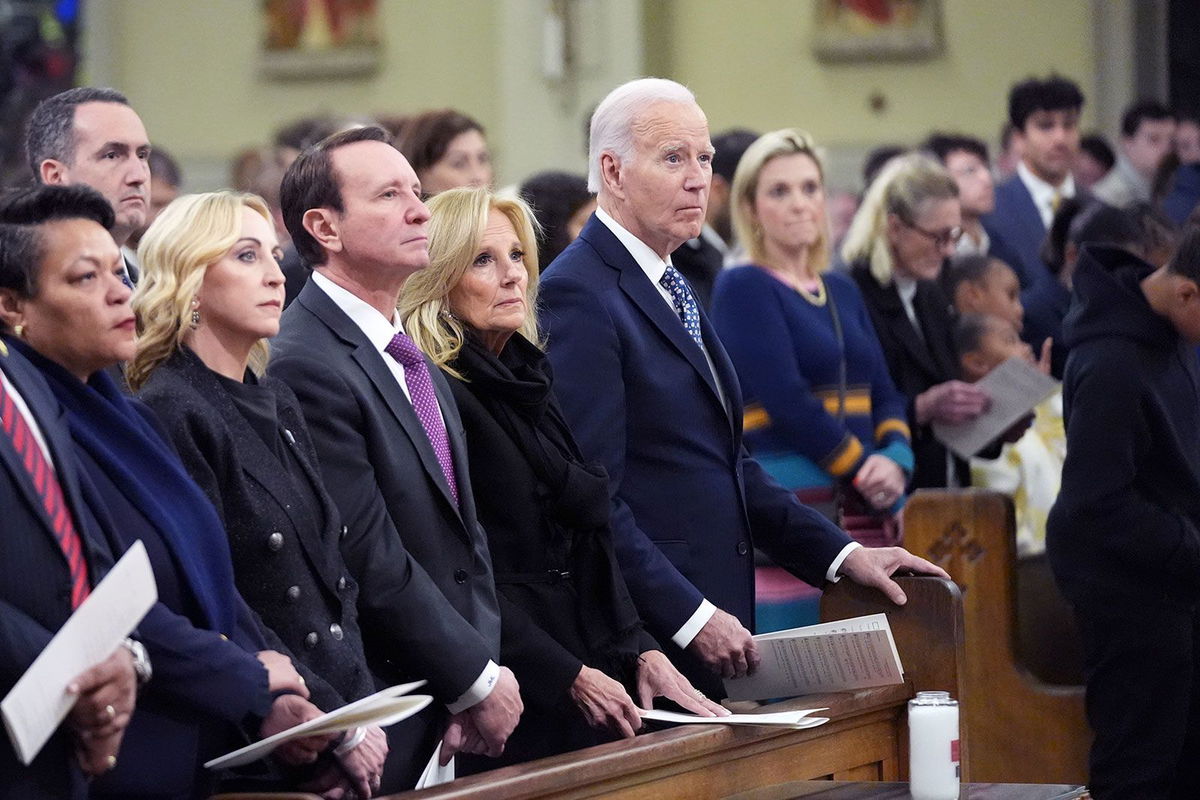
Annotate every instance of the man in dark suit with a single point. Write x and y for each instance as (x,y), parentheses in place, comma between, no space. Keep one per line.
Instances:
(93,137)
(650,392)
(32,610)
(1045,119)
(390,440)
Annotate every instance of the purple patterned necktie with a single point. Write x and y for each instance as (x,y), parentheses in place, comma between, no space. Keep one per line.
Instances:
(424,401)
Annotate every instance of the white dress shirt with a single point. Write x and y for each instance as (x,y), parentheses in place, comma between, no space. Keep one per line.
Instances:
(1043,193)
(655,267)
(379,331)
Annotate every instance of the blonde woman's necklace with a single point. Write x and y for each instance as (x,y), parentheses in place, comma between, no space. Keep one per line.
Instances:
(811,289)
(815,295)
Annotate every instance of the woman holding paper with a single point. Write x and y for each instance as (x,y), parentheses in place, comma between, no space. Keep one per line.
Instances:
(210,295)
(545,511)
(64,305)
(907,226)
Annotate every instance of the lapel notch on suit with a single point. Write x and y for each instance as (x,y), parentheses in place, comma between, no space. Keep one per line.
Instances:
(638,287)
(371,362)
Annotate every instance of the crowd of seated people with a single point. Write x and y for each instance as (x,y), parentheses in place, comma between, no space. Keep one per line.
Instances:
(377,421)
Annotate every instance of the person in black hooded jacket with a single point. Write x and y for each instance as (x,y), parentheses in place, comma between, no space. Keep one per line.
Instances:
(1124,536)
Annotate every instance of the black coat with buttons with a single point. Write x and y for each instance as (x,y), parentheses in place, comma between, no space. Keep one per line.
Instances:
(287,563)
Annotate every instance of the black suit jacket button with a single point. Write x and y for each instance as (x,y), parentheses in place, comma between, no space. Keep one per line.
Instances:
(275,542)
(341,584)
(293,594)
(335,631)
(345,530)
(742,548)
(460,576)
(311,640)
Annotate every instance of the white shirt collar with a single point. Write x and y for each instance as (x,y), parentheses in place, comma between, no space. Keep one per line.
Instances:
(647,259)
(375,326)
(1043,192)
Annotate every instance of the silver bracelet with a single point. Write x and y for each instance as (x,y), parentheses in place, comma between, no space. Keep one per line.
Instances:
(350,742)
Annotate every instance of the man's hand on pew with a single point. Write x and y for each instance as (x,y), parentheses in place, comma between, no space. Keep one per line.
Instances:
(726,646)
(874,566)
(657,677)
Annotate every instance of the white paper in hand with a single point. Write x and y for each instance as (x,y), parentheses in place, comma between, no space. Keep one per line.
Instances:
(784,719)
(434,773)
(385,707)
(831,657)
(1015,388)
(39,702)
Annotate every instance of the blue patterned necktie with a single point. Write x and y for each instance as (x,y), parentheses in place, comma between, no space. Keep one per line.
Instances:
(685,303)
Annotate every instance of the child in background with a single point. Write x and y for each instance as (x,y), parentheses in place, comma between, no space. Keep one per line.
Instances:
(979,284)
(1029,470)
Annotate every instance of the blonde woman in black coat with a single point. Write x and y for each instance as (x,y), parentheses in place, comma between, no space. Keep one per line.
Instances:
(582,655)
(210,294)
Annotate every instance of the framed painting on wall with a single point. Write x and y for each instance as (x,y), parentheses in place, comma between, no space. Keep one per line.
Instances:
(877,30)
(314,39)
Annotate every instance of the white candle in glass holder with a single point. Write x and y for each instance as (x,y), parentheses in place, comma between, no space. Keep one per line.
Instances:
(933,763)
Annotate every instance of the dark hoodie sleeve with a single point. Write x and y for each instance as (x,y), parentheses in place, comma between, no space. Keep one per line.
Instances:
(1108,437)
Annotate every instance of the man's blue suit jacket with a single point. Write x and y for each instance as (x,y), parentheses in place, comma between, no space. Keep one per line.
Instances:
(689,503)
(1016,232)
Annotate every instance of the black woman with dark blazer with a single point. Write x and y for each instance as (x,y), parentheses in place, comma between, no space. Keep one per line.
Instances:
(217,680)
(907,226)
(210,294)
(582,651)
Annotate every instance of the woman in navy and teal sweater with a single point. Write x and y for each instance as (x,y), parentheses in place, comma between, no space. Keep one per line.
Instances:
(776,317)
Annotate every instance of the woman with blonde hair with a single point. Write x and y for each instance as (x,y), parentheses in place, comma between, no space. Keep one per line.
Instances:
(210,295)
(571,632)
(908,225)
(821,410)
(821,413)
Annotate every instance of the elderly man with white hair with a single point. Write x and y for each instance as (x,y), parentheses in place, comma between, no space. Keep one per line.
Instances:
(650,393)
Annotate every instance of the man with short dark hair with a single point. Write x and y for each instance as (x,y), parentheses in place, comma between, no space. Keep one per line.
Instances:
(701,258)
(1045,117)
(1147,137)
(966,159)
(91,136)
(390,443)
(1123,537)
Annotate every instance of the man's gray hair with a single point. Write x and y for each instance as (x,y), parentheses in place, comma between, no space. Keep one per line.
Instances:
(50,132)
(612,122)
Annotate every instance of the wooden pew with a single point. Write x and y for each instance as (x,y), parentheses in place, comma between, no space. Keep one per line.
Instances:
(865,739)
(1021,730)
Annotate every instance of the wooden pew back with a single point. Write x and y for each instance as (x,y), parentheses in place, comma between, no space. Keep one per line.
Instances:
(929,634)
(1020,729)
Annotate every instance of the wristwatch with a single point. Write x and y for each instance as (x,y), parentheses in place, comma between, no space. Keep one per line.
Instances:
(141,661)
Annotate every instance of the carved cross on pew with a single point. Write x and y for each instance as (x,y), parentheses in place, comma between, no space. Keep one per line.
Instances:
(955,549)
